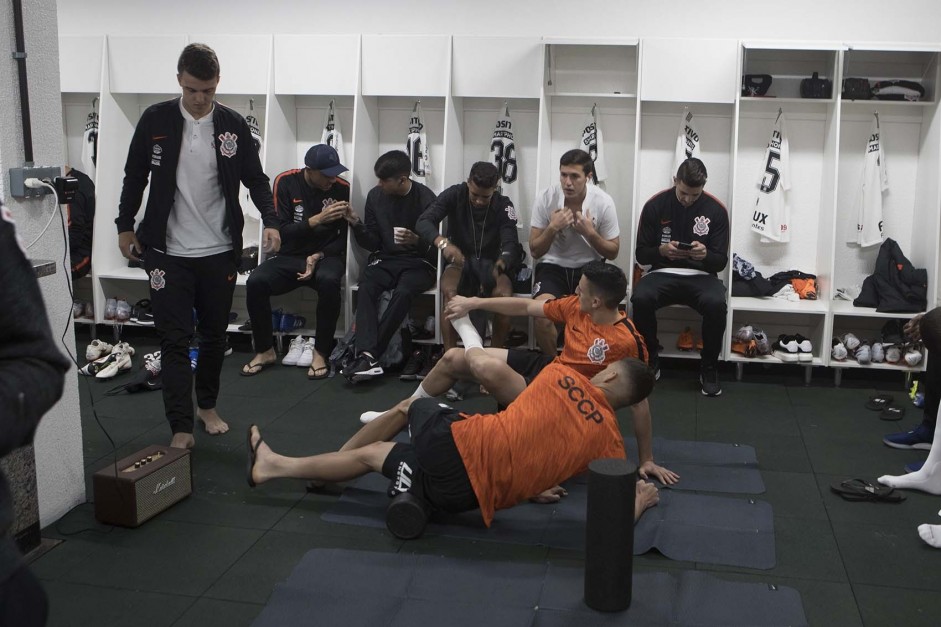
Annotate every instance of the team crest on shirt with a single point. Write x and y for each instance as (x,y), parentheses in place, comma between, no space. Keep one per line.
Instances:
(536,287)
(511,212)
(598,350)
(298,213)
(157,282)
(701,225)
(228,144)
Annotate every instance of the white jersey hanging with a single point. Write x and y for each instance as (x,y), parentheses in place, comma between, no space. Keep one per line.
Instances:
(592,142)
(90,144)
(503,156)
(868,206)
(687,142)
(248,207)
(333,136)
(771,216)
(416,145)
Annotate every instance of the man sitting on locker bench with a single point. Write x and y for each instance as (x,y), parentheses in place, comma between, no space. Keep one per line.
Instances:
(456,462)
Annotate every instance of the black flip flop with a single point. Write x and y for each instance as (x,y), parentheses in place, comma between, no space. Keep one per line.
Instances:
(252,453)
(862,490)
(251,368)
(892,412)
(879,401)
(317,377)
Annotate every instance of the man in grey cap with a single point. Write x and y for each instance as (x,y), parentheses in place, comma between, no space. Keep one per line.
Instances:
(314,212)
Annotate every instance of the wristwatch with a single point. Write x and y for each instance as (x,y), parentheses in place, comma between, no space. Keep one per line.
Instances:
(443,244)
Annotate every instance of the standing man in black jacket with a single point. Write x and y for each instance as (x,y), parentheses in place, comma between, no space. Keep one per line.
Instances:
(313,207)
(195,152)
(399,260)
(32,373)
(684,237)
(481,241)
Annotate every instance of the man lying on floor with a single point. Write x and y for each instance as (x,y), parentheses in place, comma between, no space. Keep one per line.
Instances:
(456,462)
(597,333)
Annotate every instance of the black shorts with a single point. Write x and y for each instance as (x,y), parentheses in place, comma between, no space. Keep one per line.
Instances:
(527,363)
(430,466)
(556,280)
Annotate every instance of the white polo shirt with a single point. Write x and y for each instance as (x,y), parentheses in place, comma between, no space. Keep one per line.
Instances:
(198,225)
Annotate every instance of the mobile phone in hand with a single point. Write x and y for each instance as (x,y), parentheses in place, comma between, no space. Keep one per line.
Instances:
(684,246)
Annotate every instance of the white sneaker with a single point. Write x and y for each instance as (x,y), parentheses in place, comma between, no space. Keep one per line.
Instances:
(878,353)
(786,348)
(368,416)
(307,354)
(893,354)
(123,347)
(92,368)
(97,349)
(838,352)
(805,349)
(122,362)
(294,352)
(912,356)
(851,342)
(863,353)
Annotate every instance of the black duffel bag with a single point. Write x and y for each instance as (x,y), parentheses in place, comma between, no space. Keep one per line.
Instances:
(856,89)
(816,87)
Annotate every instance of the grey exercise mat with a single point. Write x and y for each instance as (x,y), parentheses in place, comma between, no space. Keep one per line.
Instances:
(352,588)
(684,526)
(706,466)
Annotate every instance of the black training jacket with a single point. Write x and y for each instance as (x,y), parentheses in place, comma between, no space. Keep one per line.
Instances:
(154,154)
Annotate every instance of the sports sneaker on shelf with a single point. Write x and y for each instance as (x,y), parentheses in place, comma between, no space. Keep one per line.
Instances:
(837,350)
(893,353)
(918,438)
(89,311)
(863,353)
(786,348)
(762,341)
(912,355)
(294,352)
(745,333)
(850,341)
(78,308)
(96,349)
(709,380)
(747,348)
(429,363)
(685,341)
(141,313)
(110,308)
(878,353)
(363,368)
(805,349)
(307,354)
(413,365)
(122,311)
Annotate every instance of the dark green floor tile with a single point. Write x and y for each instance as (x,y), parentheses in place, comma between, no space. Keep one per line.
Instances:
(793,495)
(852,457)
(898,606)
(72,604)
(781,453)
(805,549)
(216,613)
(139,406)
(745,418)
(473,549)
(851,424)
(121,430)
(241,411)
(918,507)
(826,603)
(253,576)
(882,555)
(147,557)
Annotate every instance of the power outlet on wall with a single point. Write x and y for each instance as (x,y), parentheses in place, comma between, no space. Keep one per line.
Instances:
(18,178)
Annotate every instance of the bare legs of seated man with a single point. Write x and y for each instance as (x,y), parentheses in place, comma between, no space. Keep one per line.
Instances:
(348,464)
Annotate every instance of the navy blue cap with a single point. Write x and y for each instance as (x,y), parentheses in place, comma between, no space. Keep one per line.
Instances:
(325,159)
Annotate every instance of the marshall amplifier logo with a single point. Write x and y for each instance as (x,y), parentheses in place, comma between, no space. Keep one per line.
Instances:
(163,485)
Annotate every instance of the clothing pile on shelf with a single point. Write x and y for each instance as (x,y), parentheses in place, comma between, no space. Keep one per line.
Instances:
(792,285)
(892,349)
(895,285)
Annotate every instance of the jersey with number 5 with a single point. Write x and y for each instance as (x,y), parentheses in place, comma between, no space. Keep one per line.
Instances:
(771,215)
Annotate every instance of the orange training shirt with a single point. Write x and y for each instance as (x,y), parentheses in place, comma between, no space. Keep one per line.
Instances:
(559,424)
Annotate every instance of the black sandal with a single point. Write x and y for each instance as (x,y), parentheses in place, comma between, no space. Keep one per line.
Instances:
(862,490)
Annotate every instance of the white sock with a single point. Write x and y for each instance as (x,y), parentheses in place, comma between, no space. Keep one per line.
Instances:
(368,416)
(465,328)
(928,478)
(931,534)
(420,392)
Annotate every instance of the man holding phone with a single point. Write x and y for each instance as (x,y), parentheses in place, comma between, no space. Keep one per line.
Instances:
(684,237)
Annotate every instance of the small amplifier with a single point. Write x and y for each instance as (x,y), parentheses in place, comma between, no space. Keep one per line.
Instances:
(140,486)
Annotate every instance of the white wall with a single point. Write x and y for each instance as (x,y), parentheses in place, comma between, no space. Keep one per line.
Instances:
(871,20)
(58,443)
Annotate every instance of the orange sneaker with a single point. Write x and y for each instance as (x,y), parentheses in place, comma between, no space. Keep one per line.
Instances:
(685,341)
(748,348)
(699,343)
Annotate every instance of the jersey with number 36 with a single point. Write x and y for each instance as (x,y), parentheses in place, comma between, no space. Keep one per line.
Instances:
(503,156)
(771,216)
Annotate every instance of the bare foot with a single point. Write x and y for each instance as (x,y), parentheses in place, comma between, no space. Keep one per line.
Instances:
(183,440)
(259,362)
(646,497)
(211,420)
(318,367)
